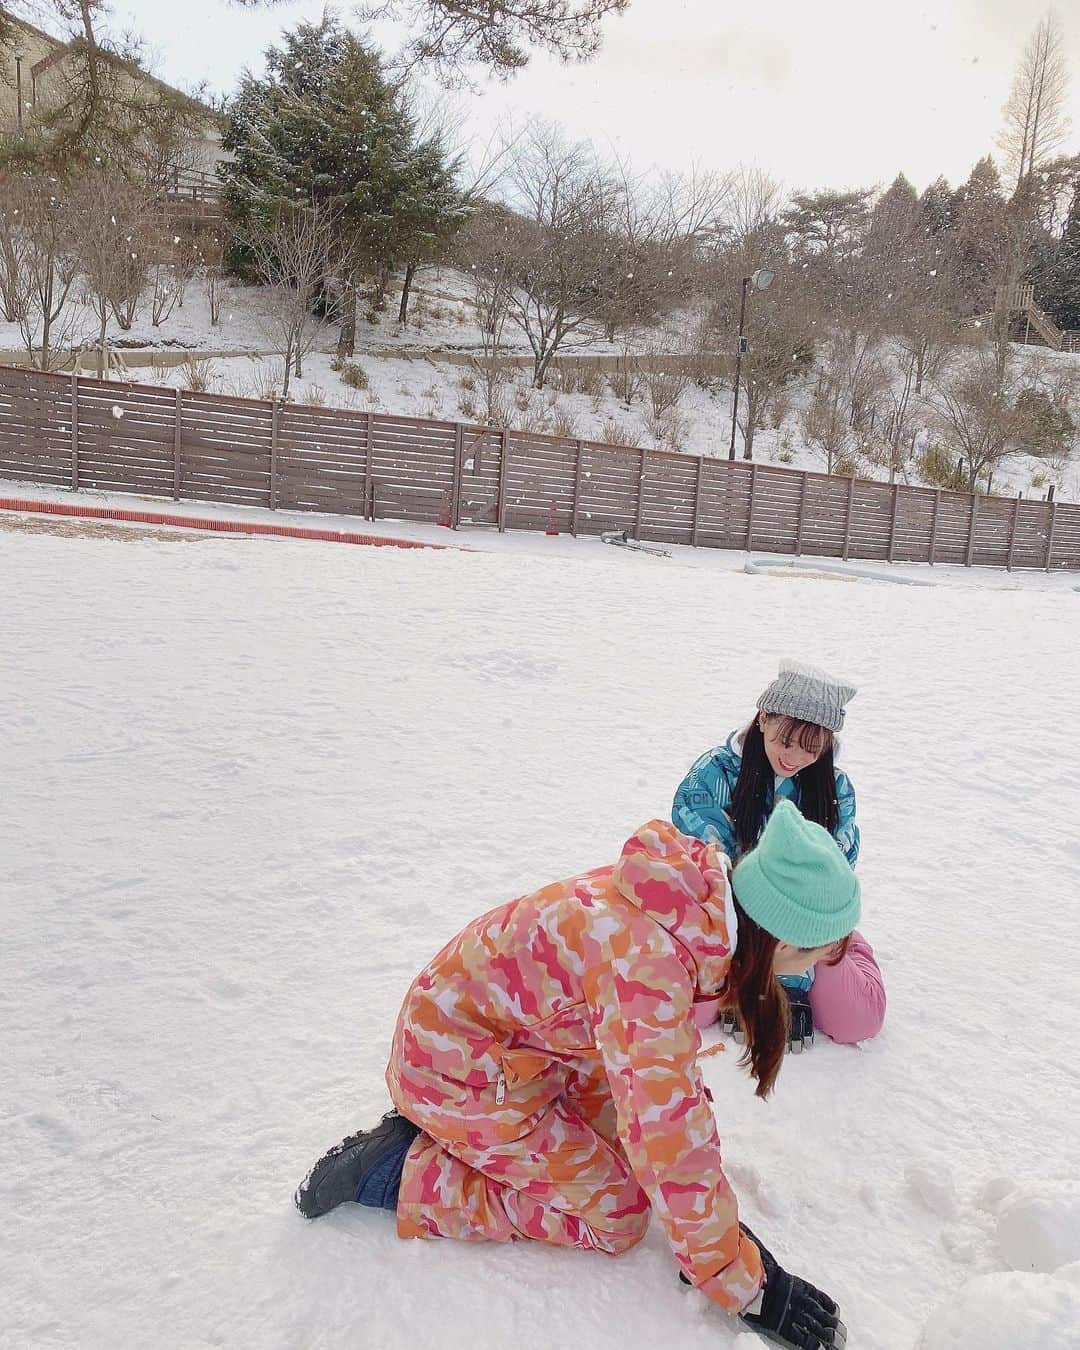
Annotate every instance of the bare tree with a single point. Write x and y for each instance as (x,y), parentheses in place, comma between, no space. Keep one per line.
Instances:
(979,409)
(165,287)
(1036,116)
(826,420)
(558,243)
(486,256)
(51,261)
(897,431)
(843,410)
(290,253)
(451,35)
(655,226)
(14,280)
(113,237)
(751,207)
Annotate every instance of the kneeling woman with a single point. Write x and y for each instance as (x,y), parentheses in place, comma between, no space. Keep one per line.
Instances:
(544,1064)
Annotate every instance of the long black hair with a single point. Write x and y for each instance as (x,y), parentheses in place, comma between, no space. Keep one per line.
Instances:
(816,783)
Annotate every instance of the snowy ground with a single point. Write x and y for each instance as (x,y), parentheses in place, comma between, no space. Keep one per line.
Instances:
(405,375)
(252,786)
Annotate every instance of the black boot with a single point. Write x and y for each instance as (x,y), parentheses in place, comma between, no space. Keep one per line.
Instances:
(340,1172)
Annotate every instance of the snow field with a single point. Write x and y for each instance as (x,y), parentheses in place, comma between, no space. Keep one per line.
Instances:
(252,786)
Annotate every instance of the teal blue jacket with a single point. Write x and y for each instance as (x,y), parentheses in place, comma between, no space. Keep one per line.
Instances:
(703,801)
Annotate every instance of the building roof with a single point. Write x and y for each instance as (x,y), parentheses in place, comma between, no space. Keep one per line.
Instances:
(136,71)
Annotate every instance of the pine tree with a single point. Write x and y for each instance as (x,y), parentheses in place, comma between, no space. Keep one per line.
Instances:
(981,232)
(1061,296)
(936,208)
(326,124)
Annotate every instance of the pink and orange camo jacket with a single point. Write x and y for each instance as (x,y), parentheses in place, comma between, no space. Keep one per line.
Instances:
(595,976)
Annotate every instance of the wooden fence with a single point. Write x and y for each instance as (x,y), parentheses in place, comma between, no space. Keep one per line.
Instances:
(77,432)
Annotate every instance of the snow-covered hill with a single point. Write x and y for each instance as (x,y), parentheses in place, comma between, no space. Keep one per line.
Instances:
(409,371)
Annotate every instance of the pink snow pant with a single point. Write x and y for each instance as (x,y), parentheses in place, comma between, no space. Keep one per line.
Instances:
(544,1163)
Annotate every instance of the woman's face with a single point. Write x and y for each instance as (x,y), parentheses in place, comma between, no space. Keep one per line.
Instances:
(784,760)
(798,960)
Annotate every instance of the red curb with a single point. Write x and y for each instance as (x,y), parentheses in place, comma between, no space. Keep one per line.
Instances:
(217,526)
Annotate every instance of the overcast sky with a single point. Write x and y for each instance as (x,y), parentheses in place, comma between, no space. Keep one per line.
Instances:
(837,92)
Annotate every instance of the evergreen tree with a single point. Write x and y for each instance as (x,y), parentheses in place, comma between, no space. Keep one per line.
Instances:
(981,235)
(1059,285)
(326,124)
(936,213)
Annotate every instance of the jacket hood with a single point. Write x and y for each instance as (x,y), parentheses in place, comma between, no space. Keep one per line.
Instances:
(682,884)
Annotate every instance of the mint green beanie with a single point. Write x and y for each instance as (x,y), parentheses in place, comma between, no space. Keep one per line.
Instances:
(796,883)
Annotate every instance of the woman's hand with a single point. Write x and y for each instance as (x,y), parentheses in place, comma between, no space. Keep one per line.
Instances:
(793,1312)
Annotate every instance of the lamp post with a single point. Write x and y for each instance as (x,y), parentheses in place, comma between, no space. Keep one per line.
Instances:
(761,280)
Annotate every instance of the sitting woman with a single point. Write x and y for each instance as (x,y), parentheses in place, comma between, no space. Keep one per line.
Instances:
(544,1066)
(789,751)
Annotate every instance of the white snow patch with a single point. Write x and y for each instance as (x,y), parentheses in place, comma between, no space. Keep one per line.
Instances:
(1007,1312)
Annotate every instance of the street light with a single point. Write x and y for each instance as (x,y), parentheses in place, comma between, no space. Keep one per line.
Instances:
(761,280)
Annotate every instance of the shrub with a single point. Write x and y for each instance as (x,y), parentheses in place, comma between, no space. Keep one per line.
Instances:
(563,423)
(614,432)
(845,466)
(352,373)
(197,375)
(939,467)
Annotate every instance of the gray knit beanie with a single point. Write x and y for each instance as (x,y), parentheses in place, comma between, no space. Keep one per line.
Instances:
(808,694)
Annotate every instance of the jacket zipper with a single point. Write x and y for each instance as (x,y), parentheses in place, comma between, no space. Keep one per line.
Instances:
(500,1089)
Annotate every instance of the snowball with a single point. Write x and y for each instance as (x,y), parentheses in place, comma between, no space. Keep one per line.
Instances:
(994,1193)
(1039,1227)
(117,411)
(935,1189)
(1006,1312)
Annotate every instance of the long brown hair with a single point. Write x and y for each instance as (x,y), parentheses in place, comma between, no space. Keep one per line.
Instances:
(760,999)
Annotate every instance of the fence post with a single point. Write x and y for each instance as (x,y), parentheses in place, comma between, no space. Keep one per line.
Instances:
(640,494)
(750,511)
(504,455)
(933,527)
(697,501)
(892,521)
(74,431)
(274,453)
(455,486)
(1012,535)
(369,482)
(176,448)
(1050,534)
(574,506)
(799,521)
(847,518)
(971,529)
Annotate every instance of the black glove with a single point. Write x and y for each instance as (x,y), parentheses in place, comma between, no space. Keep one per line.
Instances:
(794,1313)
(801,1034)
(802,1019)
